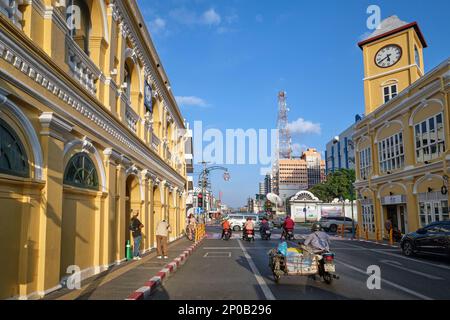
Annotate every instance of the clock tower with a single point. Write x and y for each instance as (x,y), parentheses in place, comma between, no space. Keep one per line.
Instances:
(393,60)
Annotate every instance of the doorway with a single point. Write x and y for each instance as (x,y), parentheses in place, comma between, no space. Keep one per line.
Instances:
(398,216)
(132,202)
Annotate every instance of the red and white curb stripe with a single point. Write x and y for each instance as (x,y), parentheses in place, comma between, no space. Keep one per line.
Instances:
(151,285)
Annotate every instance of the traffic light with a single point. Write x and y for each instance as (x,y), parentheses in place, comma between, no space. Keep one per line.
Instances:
(200,200)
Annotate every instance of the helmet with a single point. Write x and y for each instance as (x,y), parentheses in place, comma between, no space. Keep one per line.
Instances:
(316,227)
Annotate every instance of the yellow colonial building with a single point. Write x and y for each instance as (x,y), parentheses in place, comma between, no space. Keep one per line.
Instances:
(89,129)
(402,142)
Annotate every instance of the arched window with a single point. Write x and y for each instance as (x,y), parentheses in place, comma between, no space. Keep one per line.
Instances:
(78,16)
(13,159)
(127,81)
(81,172)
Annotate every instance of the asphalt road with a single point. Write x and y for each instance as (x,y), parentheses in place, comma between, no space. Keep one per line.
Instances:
(238,270)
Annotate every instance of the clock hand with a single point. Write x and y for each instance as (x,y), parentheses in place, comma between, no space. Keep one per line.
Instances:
(383,59)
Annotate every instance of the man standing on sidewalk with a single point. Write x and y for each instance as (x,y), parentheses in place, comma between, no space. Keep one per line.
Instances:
(136,227)
(162,233)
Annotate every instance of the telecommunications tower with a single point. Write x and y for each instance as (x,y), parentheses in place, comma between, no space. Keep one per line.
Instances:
(284,141)
(284,135)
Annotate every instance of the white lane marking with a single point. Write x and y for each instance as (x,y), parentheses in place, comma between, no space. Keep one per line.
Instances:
(262,283)
(411,259)
(397,286)
(398,265)
(386,252)
(236,248)
(217,255)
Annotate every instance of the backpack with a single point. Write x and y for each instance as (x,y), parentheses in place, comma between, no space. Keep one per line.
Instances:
(131,227)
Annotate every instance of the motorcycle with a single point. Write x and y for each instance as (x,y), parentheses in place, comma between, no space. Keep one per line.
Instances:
(227,234)
(322,264)
(249,235)
(289,234)
(265,234)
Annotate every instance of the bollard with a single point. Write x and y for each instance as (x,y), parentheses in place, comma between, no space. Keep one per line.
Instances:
(367,235)
(378,236)
(391,237)
(128,250)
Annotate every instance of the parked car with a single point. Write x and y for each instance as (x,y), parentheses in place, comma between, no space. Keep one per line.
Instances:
(237,221)
(331,223)
(434,239)
(278,221)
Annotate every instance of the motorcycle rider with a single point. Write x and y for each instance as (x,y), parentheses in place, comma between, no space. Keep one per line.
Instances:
(318,241)
(226,226)
(288,225)
(264,226)
(249,226)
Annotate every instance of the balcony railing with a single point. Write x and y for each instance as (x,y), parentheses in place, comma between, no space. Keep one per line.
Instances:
(132,118)
(10,8)
(82,67)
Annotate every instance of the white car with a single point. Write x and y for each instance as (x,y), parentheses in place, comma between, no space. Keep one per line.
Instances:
(237,220)
(332,223)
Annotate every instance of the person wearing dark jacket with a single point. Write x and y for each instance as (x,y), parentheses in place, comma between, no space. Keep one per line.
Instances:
(136,227)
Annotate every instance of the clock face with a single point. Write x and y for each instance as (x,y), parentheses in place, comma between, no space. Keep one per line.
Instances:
(388,56)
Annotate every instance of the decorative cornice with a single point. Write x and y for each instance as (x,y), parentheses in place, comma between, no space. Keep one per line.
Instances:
(121,16)
(54,125)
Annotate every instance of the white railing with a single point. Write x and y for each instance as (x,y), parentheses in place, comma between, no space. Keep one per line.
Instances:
(82,67)
(10,8)
(132,118)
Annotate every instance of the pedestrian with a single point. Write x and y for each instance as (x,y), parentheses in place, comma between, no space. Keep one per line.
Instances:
(388,225)
(136,227)
(162,232)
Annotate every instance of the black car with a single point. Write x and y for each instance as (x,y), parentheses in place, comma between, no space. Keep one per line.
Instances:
(434,239)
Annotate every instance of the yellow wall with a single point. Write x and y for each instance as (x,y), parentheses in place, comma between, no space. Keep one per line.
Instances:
(46,226)
(404,72)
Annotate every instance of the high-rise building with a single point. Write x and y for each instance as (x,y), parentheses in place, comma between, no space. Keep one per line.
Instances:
(315,167)
(262,188)
(301,173)
(268,184)
(340,151)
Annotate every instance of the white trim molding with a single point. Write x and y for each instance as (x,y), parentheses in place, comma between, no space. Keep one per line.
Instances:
(6,103)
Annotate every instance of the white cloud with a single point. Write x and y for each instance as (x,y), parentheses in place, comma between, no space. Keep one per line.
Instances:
(191,101)
(158,25)
(302,126)
(211,17)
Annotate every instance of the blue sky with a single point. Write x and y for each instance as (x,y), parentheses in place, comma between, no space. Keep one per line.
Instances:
(227,60)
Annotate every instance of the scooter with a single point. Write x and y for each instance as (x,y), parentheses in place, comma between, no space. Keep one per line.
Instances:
(227,234)
(265,234)
(288,234)
(249,235)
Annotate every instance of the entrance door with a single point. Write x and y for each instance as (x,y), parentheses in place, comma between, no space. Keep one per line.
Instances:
(392,214)
(403,219)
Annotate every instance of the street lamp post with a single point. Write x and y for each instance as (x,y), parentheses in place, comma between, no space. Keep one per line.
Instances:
(203,179)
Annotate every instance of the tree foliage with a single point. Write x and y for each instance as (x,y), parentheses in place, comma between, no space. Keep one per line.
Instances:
(339,184)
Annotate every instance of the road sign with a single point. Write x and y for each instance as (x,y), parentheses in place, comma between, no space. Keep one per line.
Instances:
(199,210)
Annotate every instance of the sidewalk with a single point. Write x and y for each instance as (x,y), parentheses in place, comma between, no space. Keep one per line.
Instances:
(119,282)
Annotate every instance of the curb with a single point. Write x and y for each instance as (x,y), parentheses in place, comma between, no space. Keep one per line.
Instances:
(369,241)
(150,286)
